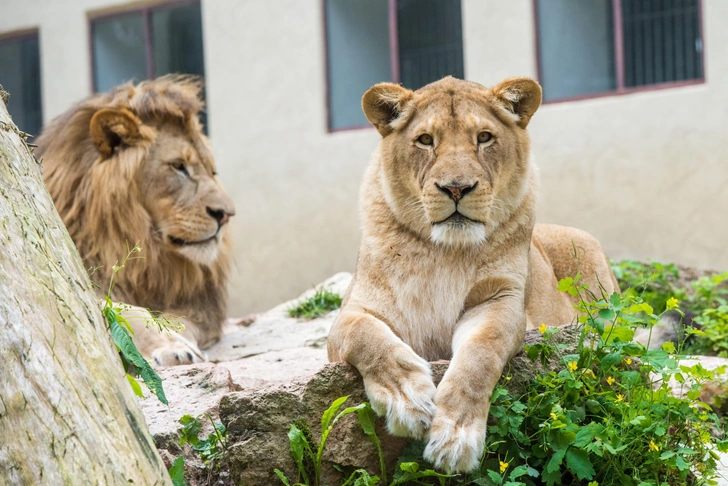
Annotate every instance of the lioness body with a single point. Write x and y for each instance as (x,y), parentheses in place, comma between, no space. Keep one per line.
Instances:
(133,166)
(450,265)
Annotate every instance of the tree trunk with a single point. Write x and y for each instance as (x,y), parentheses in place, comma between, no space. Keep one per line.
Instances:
(67,412)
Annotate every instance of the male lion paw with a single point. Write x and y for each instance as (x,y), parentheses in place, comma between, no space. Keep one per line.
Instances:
(174,354)
(402,390)
(453,446)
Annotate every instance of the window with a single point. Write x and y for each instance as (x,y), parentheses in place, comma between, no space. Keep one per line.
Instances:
(147,43)
(592,47)
(413,42)
(20,76)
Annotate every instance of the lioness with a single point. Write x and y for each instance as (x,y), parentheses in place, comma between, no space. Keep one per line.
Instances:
(450,264)
(132,165)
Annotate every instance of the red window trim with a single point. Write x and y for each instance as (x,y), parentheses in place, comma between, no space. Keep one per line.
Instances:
(393,62)
(619,59)
(146,12)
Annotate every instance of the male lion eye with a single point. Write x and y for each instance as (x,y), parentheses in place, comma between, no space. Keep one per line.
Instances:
(425,139)
(179,166)
(484,137)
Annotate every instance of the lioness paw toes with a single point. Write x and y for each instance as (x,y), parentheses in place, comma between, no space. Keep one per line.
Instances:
(406,397)
(176,354)
(453,447)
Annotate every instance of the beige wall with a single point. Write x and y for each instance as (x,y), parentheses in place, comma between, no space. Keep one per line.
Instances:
(645,172)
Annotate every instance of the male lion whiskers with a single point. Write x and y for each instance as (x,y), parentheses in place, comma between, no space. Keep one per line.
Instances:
(451,265)
(132,165)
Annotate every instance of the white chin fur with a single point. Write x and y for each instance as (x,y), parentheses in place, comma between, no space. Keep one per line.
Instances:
(457,234)
(204,254)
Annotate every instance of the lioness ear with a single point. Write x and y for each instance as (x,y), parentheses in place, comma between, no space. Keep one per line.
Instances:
(110,127)
(383,103)
(520,96)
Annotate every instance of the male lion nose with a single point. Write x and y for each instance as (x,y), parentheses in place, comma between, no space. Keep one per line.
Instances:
(219,215)
(456,193)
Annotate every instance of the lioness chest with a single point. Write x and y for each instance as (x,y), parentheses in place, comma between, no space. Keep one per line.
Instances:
(427,298)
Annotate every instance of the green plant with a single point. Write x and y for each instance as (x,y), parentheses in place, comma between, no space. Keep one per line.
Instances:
(122,332)
(304,455)
(322,302)
(212,448)
(177,472)
(610,415)
(654,282)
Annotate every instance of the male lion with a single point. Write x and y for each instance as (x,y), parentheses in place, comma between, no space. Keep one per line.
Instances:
(132,165)
(450,264)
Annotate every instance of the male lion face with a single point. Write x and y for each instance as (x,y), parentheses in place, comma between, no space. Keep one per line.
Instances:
(182,195)
(454,154)
(174,176)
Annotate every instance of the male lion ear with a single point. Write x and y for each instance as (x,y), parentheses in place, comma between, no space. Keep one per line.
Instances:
(519,96)
(110,127)
(383,103)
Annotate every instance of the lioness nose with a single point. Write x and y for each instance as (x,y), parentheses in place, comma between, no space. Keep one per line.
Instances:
(456,193)
(220,215)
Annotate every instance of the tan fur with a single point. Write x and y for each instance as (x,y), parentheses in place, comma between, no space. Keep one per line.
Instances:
(132,165)
(433,285)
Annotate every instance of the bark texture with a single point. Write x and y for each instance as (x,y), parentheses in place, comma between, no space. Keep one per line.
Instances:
(67,412)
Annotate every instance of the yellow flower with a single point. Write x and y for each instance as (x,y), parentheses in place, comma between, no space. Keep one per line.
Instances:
(620,397)
(503,466)
(672,303)
(573,366)
(653,446)
(542,328)
(553,416)
(628,361)
(610,380)
(593,483)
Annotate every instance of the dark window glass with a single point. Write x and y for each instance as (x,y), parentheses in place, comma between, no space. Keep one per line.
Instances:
(119,50)
(147,44)
(20,76)
(430,34)
(662,41)
(576,47)
(177,40)
(357,38)
(360,49)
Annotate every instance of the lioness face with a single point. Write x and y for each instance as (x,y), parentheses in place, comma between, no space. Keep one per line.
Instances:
(180,191)
(454,154)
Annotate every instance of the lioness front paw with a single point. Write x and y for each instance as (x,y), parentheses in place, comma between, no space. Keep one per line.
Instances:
(454,446)
(175,354)
(403,391)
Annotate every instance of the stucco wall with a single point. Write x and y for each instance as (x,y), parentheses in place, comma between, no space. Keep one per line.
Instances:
(646,173)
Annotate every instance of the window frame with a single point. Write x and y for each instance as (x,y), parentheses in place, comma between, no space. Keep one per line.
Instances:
(146,11)
(21,35)
(393,61)
(621,89)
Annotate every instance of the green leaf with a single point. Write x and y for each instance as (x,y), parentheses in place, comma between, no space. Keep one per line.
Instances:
(364,479)
(607,314)
(135,386)
(130,352)
(668,347)
(610,360)
(281,476)
(410,467)
(298,444)
(578,463)
(177,471)
(554,463)
(623,333)
(331,412)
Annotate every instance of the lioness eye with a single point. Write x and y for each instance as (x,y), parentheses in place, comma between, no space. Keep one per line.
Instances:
(425,139)
(179,166)
(484,137)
